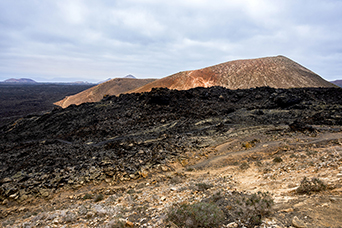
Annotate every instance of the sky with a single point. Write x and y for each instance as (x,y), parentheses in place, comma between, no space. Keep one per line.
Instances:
(93,40)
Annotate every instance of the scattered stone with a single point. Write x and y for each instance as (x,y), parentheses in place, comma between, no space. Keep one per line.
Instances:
(171,225)
(44,192)
(335,200)
(325,205)
(184,162)
(288,210)
(296,222)
(164,168)
(143,173)
(300,204)
(129,224)
(5,180)
(232,225)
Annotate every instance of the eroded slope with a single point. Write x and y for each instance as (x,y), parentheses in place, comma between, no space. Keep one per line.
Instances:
(276,72)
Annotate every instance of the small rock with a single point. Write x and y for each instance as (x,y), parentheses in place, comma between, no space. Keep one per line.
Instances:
(300,204)
(334,200)
(90,214)
(296,222)
(5,202)
(171,225)
(288,210)
(143,173)
(14,196)
(108,180)
(184,162)
(129,224)
(164,168)
(55,221)
(5,180)
(232,225)
(44,193)
(325,205)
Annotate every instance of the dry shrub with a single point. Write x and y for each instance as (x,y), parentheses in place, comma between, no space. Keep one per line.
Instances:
(308,186)
(196,215)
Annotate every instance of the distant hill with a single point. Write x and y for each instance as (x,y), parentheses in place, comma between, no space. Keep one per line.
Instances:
(20,81)
(111,87)
(276,72)
(337,82)
(127,76)
(80,83)
(130,76)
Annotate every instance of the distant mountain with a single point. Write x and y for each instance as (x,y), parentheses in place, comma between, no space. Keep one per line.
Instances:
(127,76)
(20,81)
(276,72)
(80,83)
(130,76)
(114,86)
(337,82)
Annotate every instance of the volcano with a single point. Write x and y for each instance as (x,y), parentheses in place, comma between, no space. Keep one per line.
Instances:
(111,87)
(276,72)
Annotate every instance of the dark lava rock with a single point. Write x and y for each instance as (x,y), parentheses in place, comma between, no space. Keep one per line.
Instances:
(118,137)
(300,126)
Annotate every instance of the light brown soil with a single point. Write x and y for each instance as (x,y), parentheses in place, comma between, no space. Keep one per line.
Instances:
(145,202)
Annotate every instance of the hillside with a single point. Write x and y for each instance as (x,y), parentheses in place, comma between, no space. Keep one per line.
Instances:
(111,87)
(20,81)
(337,82)
(276,72)
(129,160)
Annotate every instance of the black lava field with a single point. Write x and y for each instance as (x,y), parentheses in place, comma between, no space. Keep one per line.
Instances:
(120,135)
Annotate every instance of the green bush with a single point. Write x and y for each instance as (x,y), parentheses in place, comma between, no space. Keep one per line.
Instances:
(195,215)
(308,186)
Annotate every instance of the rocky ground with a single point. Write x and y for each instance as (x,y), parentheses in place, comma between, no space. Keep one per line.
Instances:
(130,160)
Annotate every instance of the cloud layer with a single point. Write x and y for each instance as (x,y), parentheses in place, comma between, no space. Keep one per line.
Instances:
(93,40)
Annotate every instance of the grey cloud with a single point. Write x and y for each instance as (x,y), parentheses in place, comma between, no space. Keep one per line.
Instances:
(94,40)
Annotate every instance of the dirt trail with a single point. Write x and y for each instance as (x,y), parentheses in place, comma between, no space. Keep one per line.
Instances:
(265,147)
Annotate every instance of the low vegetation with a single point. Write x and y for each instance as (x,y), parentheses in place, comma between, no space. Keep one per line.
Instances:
(196,215)
(308,186)
(252,208)
(247,210)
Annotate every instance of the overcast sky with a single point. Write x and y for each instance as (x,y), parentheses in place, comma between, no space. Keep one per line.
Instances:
(92,40)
